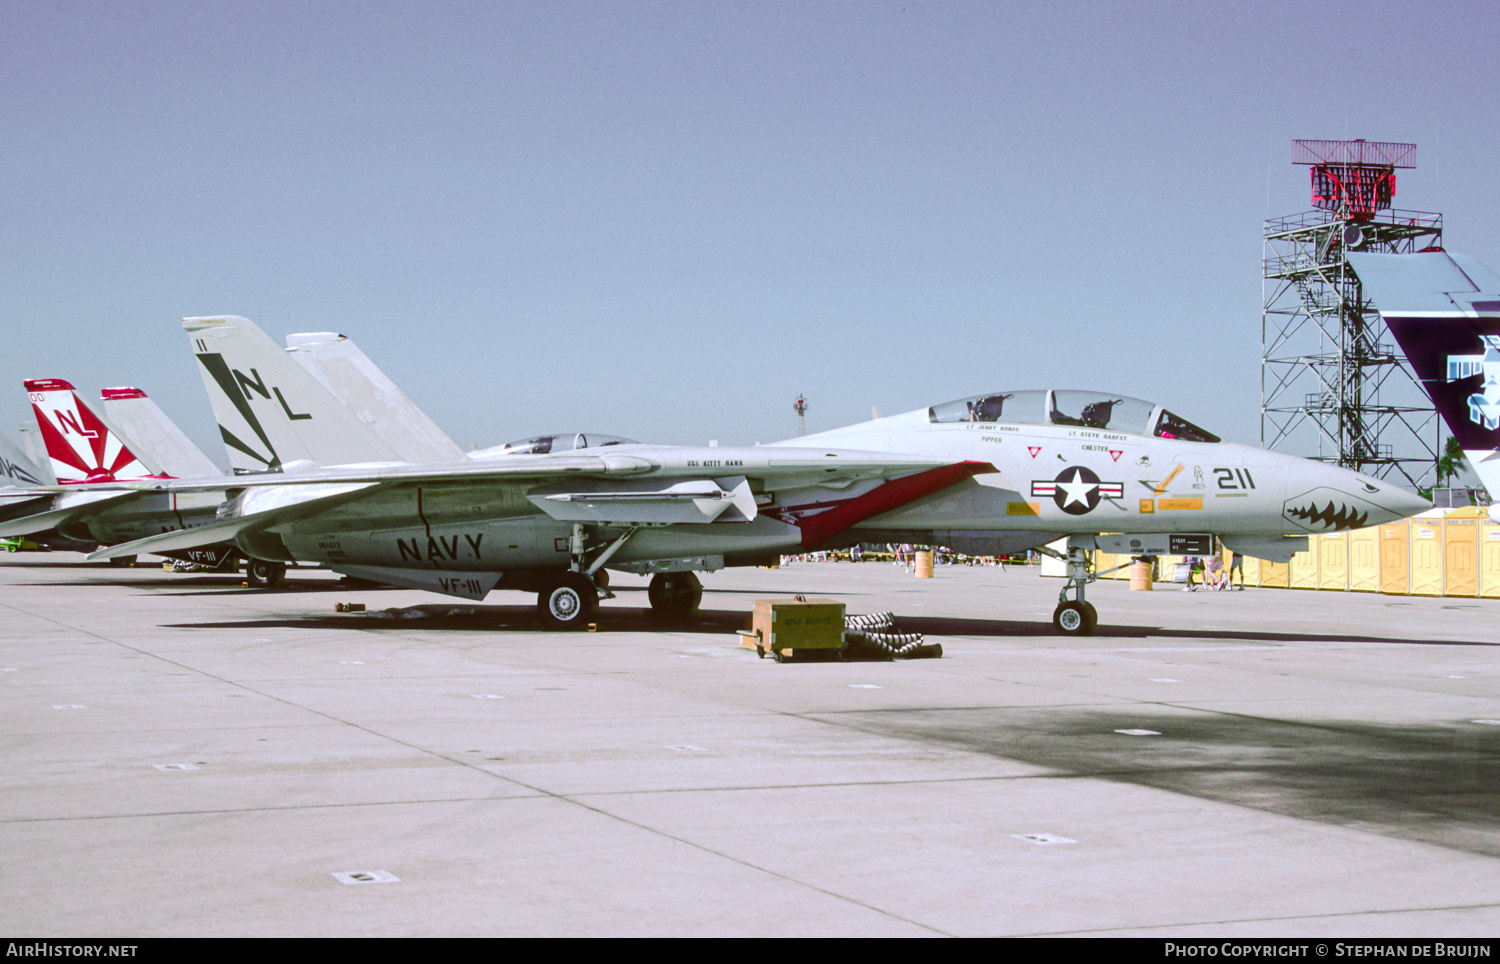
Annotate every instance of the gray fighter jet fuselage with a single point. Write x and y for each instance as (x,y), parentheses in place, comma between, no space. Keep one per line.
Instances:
(987,474)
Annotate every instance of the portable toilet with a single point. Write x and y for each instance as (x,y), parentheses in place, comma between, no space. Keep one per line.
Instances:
(1427,553)
(1364,559)
(1333,560)
(1395,557)
(1461,552)
(1489,558)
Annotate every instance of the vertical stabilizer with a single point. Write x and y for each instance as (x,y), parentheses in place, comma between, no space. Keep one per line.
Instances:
(269,409)
(145,424)
(81,446)
(17,469)
(374,399)
(36,450)
(1444,310)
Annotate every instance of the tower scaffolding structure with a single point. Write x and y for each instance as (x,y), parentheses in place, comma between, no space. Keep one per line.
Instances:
(1333,387)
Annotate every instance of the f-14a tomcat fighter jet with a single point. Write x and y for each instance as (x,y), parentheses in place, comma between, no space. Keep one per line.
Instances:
(987,474)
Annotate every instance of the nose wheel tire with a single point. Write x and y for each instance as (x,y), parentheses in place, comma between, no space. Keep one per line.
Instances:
(569,601)
(1075,619)
(675,595)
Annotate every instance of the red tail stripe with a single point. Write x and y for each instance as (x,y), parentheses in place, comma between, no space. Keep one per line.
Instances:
(818,529)
(47,385)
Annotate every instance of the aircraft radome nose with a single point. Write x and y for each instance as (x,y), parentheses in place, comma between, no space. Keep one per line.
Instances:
(1328,498)
(1408,503)
(1396,502)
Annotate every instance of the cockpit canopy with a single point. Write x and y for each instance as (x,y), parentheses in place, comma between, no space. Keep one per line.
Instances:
(1114,413)
(568,442)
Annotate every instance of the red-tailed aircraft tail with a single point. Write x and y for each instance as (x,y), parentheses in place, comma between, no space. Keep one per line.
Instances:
(80,445)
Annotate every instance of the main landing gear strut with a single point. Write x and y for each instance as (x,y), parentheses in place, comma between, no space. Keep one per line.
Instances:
(571,600)
(1075,617)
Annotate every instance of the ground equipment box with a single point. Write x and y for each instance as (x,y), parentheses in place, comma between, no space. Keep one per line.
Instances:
(787,627)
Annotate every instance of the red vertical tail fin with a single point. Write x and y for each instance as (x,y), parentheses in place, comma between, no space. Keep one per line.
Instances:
(81,445)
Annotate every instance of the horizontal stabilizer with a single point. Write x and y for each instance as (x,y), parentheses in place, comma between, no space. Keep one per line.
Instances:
(17,502)
(78,504)
(289,504)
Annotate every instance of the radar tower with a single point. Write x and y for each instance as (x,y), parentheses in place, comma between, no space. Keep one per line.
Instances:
(1331,388)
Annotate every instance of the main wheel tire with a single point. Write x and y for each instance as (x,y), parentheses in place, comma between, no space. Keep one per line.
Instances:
(1072,619)
(568,602)
(262,574)
(675,595)
(1093,617)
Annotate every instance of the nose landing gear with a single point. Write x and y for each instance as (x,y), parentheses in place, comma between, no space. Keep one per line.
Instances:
(1075,617)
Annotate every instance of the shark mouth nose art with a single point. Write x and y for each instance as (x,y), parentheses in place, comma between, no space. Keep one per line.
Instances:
(1327,509)
(1329,517)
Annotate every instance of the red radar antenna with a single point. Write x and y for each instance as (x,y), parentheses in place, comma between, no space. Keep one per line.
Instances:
(1353,179)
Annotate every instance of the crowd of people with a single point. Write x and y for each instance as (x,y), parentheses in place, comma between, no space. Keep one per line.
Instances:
(1210,573)
(904,555)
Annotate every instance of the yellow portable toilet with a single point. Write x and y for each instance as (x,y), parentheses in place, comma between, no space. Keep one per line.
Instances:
(1364,559)
(1333,560)
(1427,554)
(1395,557)
(1274,575)
(1461,552)
(1489,558)
(1109,560)
(1251,567)
(1304,566)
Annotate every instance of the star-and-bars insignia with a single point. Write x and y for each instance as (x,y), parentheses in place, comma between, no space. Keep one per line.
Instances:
(1077,490)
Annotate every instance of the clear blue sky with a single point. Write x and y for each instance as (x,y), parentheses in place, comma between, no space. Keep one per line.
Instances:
(665,220)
